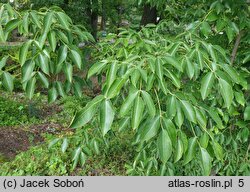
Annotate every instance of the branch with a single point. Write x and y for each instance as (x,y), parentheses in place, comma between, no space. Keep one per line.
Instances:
(236,46)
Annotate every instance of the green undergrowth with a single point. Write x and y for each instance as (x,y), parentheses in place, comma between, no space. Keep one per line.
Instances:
(16,109)
(41,160)
(36,161)
(70,105)
(45,160)
(14,113)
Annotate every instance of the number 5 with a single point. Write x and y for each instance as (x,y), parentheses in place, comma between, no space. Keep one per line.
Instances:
(241,183)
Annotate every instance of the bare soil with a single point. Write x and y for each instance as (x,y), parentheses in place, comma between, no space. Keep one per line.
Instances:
(17,139)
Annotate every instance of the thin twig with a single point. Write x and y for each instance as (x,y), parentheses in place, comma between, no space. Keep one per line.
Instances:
(236,46)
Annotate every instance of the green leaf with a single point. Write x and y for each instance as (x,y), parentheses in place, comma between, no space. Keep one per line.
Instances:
(163,86)
(27,70)
(76,155)
(135,77)
(35,19)
(188,110)
(175,80)
(206,84)
(44,63)
(43,79)
(62,54)
(179,115)
(150,130)
(226,92)
(245,135)
(206,162)
(87,113)
(205,29)
(63,19)
(123,124)
(174,62)
(3,36)
(11,25)
(171,106)
(230,34)
(48,21)
(201,118)
(184,140)
(171,129)
(77,89)
(96,147)
(214,115)
(65,145)
(243,82)
(218,151)
(111,75)
(189,68)
(52,40)
(204,140)
(143,74)
(8,81)
(106,116)
(151,63)
(26,23)
(3,62)
(179,151)
(247,114)
(68,72)
(220,24)
(159,68)
(60,89)
(96,68)
(212,16)
(200,59)
(235,27)
(53,142)
(24,52)
(52,95)
(191,150)
(115,87)
(150,82)
(128,103)
(42,40)
(239,96)
(210,48)
(137,112)
(82,158)
(174,48)
(62,37)
(232,73)
(246,59)
(76,57)
(149,103)
(30,88)
(164,145)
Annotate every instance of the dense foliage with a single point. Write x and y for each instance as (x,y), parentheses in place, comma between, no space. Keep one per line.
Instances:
(49,51)
(178,89)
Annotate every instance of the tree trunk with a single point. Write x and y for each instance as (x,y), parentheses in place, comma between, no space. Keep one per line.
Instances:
(149,15)
(119,12)
(92,12)
(94,24)
(103,21)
